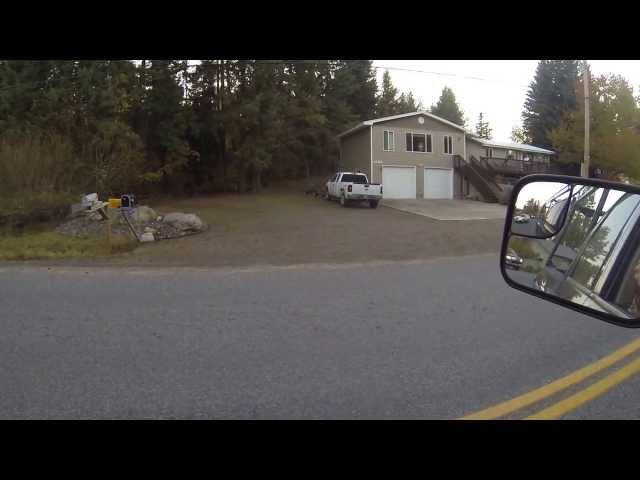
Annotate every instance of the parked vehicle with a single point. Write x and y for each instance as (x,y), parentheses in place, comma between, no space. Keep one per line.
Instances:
(522,218)
(348,187)
(513,260)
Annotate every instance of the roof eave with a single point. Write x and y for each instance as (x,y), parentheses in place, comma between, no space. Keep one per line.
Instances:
(360,126)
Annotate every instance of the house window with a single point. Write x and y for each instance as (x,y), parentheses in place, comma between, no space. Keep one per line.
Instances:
(448,144)
(419,142)
(389,143)
(489,152)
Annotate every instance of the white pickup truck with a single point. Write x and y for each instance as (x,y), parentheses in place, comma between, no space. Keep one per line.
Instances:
(349,187)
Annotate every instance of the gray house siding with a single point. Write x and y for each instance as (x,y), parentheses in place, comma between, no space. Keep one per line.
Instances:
(355,152)
(474,149)
(400,156)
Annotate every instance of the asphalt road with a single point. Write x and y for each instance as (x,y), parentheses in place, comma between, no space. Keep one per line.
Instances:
(435,339)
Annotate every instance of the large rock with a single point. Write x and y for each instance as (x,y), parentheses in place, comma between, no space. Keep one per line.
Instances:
(186,222)
(143,214)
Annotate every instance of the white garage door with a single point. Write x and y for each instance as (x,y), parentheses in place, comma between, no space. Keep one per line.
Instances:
(398,182)
(438,183)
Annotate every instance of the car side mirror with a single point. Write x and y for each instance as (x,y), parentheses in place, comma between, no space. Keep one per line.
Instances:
(576,242)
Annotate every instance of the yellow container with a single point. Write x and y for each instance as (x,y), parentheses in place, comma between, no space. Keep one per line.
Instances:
(115,203)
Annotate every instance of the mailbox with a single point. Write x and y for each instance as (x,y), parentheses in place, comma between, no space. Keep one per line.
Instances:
(127,200)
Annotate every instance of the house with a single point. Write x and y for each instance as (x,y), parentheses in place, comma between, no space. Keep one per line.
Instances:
(420,155)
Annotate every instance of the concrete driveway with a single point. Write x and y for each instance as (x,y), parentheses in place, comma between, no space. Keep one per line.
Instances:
(449,209)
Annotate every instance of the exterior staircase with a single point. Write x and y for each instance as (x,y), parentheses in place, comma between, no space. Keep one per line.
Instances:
(481,177)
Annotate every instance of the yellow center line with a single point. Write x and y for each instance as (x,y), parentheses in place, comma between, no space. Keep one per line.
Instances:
(569,404)
(541,393)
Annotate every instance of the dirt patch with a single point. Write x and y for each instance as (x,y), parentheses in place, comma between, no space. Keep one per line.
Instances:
(281,228)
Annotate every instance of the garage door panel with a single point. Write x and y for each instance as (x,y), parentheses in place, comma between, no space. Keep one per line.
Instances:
(399,182)
(438,183)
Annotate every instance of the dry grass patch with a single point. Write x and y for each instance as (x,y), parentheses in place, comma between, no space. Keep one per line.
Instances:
(51,245)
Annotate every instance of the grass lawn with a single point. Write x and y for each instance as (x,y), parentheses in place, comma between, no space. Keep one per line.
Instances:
(43,245)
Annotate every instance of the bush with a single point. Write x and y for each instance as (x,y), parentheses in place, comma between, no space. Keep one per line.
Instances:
(36,164)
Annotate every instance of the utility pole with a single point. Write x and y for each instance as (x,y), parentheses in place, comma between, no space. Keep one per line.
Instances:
(584,168)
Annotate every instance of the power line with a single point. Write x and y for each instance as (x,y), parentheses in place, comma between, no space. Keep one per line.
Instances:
(380,67)
(467,77)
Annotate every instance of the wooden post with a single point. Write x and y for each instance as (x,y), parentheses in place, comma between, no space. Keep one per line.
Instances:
(584,170)
(109,240)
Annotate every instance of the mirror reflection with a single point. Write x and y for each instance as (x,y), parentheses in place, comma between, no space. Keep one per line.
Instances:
(540,209)
(583,247)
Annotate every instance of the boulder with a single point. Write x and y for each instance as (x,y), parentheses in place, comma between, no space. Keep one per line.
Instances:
(147,237)
(185,222)
(143,214)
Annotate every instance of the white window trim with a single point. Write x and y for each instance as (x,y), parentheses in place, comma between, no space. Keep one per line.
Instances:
(416,132)
(445,136)
(393,135)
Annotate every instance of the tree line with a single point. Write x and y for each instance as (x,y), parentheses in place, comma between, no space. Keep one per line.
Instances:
(167,125)
(171,126)
(553,117)
(236,125)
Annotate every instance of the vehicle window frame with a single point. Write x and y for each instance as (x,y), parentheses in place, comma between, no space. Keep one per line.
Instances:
(625,252)
(565,228)
(592,233)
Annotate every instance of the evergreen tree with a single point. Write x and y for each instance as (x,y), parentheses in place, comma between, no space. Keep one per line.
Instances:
(306,139)
(483,130)
(388,103)
(551,95)
(205,134)
(408,103)
(448,108)
(167,149)
(362,98)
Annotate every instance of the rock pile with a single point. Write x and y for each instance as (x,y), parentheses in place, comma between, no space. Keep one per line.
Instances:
(144,219)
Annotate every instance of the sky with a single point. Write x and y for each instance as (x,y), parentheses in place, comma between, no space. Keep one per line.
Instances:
(497,88)
(540,191)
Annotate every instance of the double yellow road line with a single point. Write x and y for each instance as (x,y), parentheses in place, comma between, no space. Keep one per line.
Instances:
(561,408)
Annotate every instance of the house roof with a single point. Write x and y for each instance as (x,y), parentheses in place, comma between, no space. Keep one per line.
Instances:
(510,145)
(368,123)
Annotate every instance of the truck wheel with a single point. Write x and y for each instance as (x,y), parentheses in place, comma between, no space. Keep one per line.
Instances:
(343,201)
(373,203)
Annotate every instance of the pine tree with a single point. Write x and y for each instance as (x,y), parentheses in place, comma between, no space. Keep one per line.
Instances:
(551,95)
(448,108)
(408,103)
(206,135)
(388,103)
(483,130)
(362,98)
(167,149)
